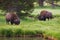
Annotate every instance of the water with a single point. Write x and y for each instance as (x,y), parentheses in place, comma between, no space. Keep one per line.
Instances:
(21,38)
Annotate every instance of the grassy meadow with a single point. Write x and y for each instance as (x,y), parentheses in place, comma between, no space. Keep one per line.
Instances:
(32,26)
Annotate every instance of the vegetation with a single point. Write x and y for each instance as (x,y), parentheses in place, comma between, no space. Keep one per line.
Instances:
(25,7)
(32,26)
(52,2)
(22,7)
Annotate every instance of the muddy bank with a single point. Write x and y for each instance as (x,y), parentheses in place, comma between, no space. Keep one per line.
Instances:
(43,36)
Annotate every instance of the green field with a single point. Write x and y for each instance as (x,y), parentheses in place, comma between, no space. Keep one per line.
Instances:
(33,25)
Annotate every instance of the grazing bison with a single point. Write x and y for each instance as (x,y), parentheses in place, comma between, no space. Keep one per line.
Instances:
(12,18)
(45,15)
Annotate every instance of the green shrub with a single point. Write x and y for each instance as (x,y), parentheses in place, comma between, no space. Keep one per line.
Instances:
(18,32)
(6,32)
(28,32)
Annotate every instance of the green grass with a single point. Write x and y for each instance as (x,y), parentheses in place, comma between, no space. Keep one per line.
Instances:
(33,26)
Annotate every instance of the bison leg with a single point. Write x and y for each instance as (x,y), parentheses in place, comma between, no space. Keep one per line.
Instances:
(48,18)
(44,18)
(12,22)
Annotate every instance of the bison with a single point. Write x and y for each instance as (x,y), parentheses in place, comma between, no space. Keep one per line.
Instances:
(12,18)
(45,15)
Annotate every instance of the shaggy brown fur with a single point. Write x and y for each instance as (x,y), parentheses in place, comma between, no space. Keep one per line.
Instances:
(12,18)
(45,15)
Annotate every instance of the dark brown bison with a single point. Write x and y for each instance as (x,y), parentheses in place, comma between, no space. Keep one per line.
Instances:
(45,15)
(12,18)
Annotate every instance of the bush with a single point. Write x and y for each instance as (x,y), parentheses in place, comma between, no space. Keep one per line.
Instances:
(22,7)
(6,32)
(18,32)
